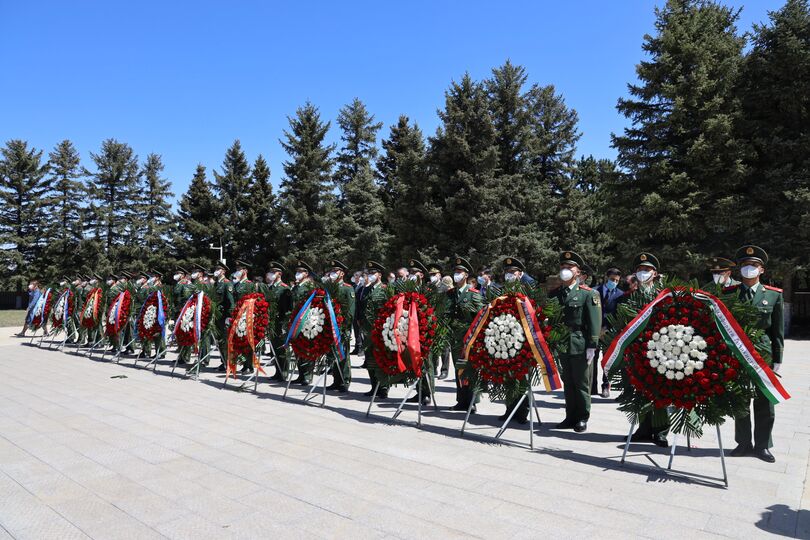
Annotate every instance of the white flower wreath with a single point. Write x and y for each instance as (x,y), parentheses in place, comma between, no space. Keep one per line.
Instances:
(676,351)
(388,331)
(504,337)
(150,317)
(187,321)
(314,323)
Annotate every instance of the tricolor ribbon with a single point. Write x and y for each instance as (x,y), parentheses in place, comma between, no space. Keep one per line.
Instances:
(733,335)
(335,330)
(119,299)
(40,306)
(298,321)
(65,316)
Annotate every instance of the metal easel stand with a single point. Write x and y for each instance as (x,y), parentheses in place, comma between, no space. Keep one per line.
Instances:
(159,351)
(415,386)
(44,335)
(255,375)
(321,380)
(99,341)
(68,334)
(675,444)
(131,325)
(33,336)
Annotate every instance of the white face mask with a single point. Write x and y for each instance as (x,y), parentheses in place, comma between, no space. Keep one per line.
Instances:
(219,272)
(718,278)
(177,277)
(566,274)
(31,287)
(141,282)
(509,277)
(150,281)
(91,282)
(237,275)
(333,276)
(299,276)
(459,277)
(412,277)
(372,279)
(749,271)
(361,281)
(644,275)
(435,278)
(195,275)
(110,282)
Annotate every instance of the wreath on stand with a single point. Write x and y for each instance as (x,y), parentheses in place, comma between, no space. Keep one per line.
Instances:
(118,314)
(193,320)
(43,309)
(687,357)
(91,308)
(315,327)
(63,309)
(246,334)
(152,317)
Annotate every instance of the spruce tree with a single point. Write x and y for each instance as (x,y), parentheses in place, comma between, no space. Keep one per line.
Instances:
(156,210)
(261,226)
(683,161)
(307,200)
(65,208)
(232,189)
(359,136)
(198,224)
(509,111)
(23,188)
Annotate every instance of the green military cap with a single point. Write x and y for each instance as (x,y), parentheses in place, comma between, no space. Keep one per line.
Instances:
(719,264)
(65,278)
(569,257)
(220,264)
(435,268)
(303,265)
(276,266)
(181,270)
(751,253)
(112,276)
(125,274)
(334,263)
(199,267)
(144,274)
(646,259)
(463,264)
(242,264)
(374,266)
(511,262)
(96,276)
(415,265)
(155,273)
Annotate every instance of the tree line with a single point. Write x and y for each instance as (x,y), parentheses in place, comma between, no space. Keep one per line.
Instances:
(716,154)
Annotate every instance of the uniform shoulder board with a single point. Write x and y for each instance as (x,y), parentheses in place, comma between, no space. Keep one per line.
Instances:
(282,284)
(585,288)
(731,289)
(344,284)
(775,289)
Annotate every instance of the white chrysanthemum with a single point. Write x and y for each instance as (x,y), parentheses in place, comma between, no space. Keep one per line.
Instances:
(314,323)
(503,336)
(187,321)
(111,318)
(88,310)
(150,317)
(241,325)
(675,351)
(59,310)
(388,336)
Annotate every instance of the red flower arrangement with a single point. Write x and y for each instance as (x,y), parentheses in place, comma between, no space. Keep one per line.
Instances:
(149,326)
(91,308)
(42,317)
(185,327)
(315,339)
(675,369)
(113,324)
(501,352)
(248,326)
(63,304)
(385,344)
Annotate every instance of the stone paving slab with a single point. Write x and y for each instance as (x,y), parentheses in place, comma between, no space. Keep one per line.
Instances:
(93,449)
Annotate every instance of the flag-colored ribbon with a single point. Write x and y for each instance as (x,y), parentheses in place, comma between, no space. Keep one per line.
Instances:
(335,330)
(299,320)
(397,338)
(119,299)
(66,297)
(248,310)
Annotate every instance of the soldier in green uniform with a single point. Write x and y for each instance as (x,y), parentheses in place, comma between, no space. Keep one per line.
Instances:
(464,304)
(181,291)
(224,292)
(138,298)
(647,267)
(514,270)
(279,293)
(154,283)
(242,286)
(721,274)
(342,371)
(375,297)
(582,314)
(304,285)
(442,360)
(93,334)
(768,301)
(416,273)
(76,298)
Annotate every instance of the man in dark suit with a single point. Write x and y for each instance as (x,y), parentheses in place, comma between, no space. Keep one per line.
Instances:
(611,294)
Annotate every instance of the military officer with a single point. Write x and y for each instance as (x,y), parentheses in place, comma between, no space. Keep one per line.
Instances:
(180,291)
(582,314)
(375,296)
(223,289)
(768,301)
(342,372)
(304,285)
(241,284)
(721,274)
(513,269)
(417,272)
(279,293)
(441,362)
(647,268)
(464,304)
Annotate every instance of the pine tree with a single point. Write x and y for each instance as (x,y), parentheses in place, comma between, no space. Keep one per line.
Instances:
(775,92)
(112,188)
(64,207)
(307,201)
(198,223)
(683,162)
(362,219)
(158,221)
(23,188)
(508,108)
(232,188)
(262,220)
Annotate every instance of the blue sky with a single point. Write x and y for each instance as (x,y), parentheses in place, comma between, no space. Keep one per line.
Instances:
(184,79)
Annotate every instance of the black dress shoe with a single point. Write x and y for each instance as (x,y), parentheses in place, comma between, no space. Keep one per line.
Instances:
(277,377)
(521,419)
(581,426)
(130,350)
(639,436)
(364,366)
(247,369)
(334,386)
(660,440)
(369,393)
(460,407)
(382,394)
(565,424)
(442,375)
(343,389)
(765,455)
(415,399)
(221,368)
(300,381)
(741,450)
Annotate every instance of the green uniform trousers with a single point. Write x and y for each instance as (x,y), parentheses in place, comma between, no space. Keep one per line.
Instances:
(576,379)
(464,378)
(764,416)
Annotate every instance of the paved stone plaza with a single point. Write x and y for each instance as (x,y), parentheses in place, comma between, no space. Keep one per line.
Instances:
(94,449)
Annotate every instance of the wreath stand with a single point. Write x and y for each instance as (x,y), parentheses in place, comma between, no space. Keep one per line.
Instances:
(674,446)
(68,334)
(323,376)
(159,350)
(33,336)
(195,368)
(529,394)
(125,346)
(255,375)
(99,341)
(414,386)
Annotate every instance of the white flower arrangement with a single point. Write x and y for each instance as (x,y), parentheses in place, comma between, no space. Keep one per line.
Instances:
(676,351)
(388,331)
(504,337)
(150,317)
(241,326)
(187,321)
(88,310)
(314,323)
(111,317)
(59,310)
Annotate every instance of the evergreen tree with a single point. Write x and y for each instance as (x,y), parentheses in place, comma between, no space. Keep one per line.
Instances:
(362,220)
(775,91)
(262,219)
(683,161)
(198,223)
(112,188)
(307,201)
(156,210)
(23,188)
(509,111)
(232,188)
(65,205)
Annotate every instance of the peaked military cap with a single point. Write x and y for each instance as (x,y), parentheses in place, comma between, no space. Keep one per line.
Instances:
(95,276)
(569,257)
(374,266)
(751,253)
(646,259)
(276,266)
(67,279)
(462,263)
(155,273)
(417,266)
(199,267)
(180,269)
(112,276)
(435,268)
(304,265)
(220,264)
(144,274)
(511,262)
(719,264)
(242,264)
(334,263)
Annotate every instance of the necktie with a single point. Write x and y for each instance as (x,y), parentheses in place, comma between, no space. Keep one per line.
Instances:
(749,294)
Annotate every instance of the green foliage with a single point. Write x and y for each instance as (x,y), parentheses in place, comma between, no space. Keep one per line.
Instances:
(156,216)
(198,225)
(232,190)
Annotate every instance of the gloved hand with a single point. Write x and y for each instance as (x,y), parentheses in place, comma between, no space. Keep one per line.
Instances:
(589,354)
(228,321)
(776,367)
